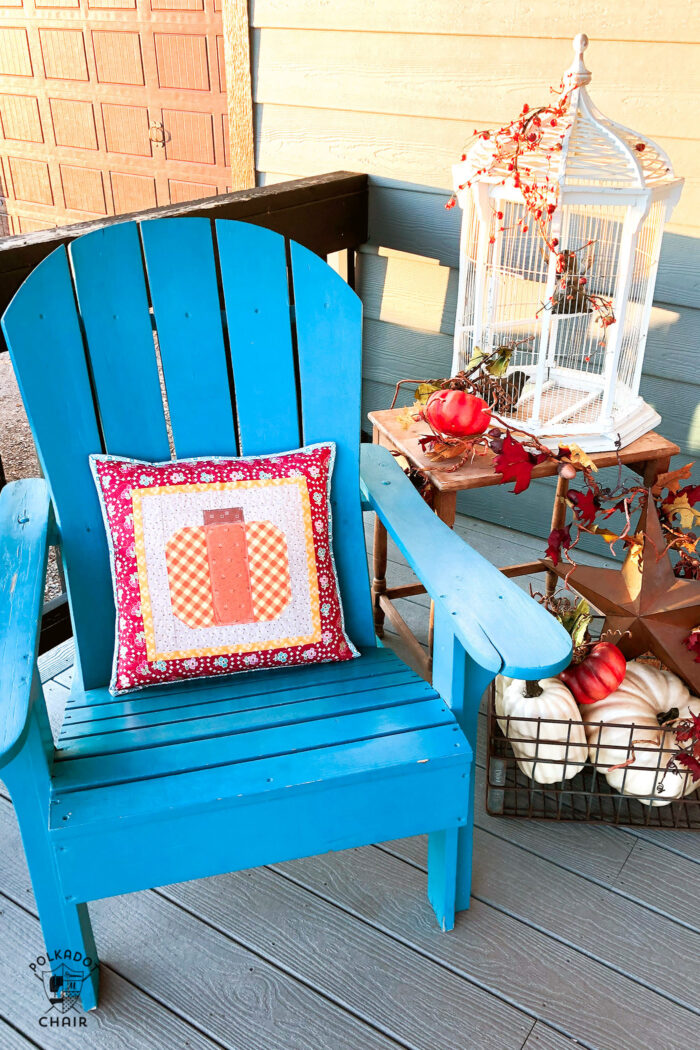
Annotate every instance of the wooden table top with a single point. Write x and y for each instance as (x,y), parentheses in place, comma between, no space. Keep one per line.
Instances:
(480,473)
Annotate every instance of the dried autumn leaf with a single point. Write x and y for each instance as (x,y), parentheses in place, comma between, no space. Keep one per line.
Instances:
(680,506)
(576,621)
(424,390)
(689,729)
(407,416)
(578,456)
(692,492)
(585,505)
(441,450)
(558,540)
(692,644)
(671,480)
(515,463)
(691,763)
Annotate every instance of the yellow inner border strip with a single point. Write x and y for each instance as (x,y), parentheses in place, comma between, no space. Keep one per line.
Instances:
(223,486)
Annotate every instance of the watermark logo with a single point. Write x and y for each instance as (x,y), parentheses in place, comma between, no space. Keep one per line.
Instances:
(62,974)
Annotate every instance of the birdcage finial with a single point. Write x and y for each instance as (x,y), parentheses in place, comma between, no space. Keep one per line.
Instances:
(577,72)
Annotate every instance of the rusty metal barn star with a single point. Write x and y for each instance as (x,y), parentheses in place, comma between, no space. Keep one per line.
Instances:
(645,602)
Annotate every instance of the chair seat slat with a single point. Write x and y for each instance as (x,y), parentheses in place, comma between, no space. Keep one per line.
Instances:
(287,698)
(374,660)
(332,730)
(245,782)
(197,726)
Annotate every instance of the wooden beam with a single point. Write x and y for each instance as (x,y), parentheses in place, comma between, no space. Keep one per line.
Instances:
(239,94)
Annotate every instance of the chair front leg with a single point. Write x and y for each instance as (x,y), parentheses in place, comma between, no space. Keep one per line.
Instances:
(65,926)
(461,683)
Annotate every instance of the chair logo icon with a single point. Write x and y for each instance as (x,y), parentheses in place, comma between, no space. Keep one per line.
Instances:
(62,987)
(62,977)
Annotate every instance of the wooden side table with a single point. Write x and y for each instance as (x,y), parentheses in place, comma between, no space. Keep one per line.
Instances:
(649,456)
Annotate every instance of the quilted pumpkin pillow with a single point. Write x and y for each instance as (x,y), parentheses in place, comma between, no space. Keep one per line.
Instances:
(220,565)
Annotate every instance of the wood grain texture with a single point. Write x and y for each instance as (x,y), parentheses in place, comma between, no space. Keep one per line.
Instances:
(678,842)
(353,963)
(11,1039)
(508,957)
(125,1011)
(238,91)
(663,880)
(544,1038)
(241,1001)
(57,661)
(619,21)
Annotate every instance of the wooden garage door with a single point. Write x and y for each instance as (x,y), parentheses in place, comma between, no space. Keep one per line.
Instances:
(109,106)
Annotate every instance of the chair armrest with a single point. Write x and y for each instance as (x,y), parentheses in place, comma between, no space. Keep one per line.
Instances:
(502,628)
(24,545)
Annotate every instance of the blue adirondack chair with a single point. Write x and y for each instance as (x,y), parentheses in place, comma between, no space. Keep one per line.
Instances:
(186,781)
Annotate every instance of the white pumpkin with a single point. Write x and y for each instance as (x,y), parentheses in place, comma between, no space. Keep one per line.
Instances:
(623,728)
(561,749)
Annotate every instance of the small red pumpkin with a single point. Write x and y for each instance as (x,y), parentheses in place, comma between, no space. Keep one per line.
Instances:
(599,675)
(457,413)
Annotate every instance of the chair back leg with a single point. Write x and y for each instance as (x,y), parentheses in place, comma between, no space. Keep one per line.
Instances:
(65,924)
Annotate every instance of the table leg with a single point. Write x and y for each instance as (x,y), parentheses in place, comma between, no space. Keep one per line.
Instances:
(379,573)
(445,506)
(653,468)
(558,521)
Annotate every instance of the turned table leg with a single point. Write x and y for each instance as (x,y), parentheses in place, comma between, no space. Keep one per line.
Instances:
(379,574)
(558,521)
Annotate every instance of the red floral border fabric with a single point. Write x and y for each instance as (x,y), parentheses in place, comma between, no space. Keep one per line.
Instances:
(220,565)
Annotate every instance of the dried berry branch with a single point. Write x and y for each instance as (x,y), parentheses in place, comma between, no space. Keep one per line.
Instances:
(541,131)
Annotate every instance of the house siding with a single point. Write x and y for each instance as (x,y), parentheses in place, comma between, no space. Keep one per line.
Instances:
(395,87)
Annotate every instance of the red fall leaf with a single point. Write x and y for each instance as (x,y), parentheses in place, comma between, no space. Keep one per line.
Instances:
(692,643)
(584,504)
(559,539)
(515,463)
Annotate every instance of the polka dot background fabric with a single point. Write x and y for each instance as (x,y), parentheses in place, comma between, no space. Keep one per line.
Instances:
(221,565)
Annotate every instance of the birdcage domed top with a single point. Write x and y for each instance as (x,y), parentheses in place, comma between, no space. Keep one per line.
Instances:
(584,149)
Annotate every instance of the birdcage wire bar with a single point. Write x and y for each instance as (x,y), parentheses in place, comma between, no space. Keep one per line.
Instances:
(574,378)
(585,797)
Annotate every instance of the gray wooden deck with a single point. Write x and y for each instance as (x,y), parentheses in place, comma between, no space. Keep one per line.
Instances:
(577,936)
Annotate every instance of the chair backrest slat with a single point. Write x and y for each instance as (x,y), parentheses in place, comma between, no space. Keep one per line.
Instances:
(113,304)
(256,294)
(81,335)
(42,329)
(329,337)
(187,315)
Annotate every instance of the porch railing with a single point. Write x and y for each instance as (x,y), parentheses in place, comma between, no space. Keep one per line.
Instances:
(326,213)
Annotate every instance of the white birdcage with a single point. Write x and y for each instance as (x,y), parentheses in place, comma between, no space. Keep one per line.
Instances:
(614,189)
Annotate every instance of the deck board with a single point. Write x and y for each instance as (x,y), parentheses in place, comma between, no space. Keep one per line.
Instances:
(579,935)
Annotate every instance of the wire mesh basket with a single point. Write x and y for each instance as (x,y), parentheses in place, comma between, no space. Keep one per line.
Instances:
(511,792)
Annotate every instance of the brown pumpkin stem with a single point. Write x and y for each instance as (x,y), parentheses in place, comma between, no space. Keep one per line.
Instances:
(533,689)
